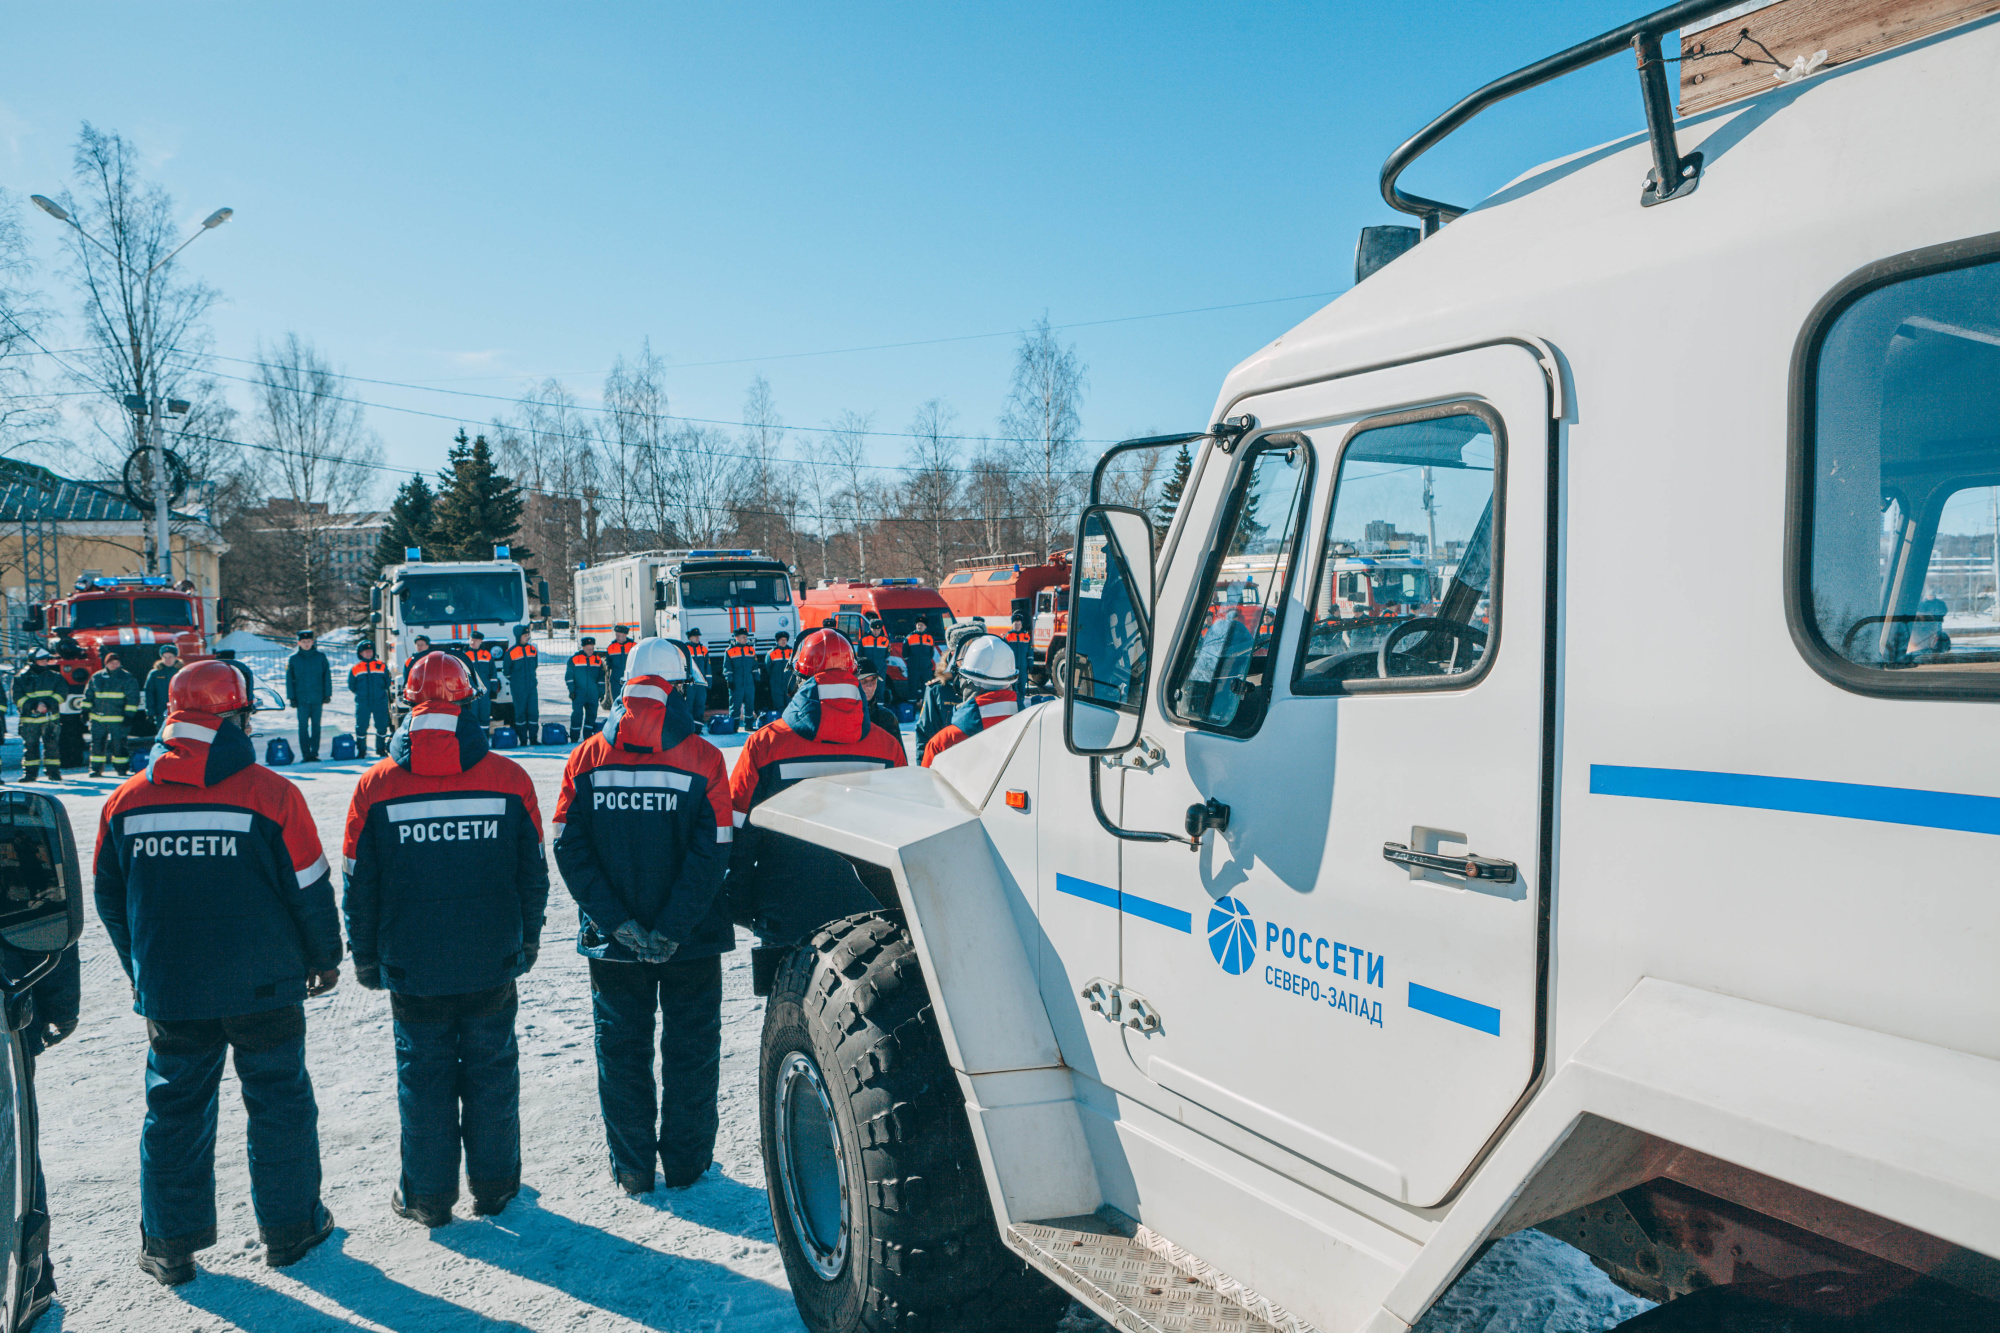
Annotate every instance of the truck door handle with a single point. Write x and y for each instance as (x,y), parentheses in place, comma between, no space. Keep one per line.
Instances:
(1487,868)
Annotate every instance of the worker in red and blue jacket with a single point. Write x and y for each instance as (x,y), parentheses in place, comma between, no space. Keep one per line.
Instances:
(446,890)
(643,835)
(211,885)
(584,678)
(481,657)
(368,682)
(826,730)
(739,666)
(987,667)
(780,675)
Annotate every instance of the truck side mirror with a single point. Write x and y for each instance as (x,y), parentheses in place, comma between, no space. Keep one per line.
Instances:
(375,598)
(36,620)
(374,617)
(41,890)
(542,593)
(1110,631)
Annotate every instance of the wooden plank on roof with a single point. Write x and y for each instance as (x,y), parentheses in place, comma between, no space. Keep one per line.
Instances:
(1847,30)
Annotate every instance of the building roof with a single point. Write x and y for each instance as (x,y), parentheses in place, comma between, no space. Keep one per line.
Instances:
(72,502)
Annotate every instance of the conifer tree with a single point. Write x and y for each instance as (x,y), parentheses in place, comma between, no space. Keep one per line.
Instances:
(478,507)
(412,517)
(1170,494)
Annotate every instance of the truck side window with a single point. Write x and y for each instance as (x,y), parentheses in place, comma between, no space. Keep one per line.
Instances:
(1897,480)
(1223,680)
(1408,560)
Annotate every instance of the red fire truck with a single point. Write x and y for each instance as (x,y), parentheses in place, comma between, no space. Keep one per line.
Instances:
(991,588)
(135,615)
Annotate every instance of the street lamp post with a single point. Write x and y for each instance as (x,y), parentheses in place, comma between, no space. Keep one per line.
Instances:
(147,406)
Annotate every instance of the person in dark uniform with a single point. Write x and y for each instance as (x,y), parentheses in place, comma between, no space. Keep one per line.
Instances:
(73,664)
(739,666)
(779,677)
(308,687)
(643,835)
(523,682)
(112,700)
(445,921)
(584,677)
(39,693)
(157,682)
(874,646)
(481,657)
(212,886)
(1022,645)
(919,658)
(698,677)
(368,682)
(614,662)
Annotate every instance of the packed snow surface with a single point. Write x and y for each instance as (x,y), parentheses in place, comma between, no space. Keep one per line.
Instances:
(572,1252)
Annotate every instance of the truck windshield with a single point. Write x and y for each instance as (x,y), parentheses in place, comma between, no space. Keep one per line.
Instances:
(1399,585)
(715,591)
(172,612)
(445,599)
(100,613)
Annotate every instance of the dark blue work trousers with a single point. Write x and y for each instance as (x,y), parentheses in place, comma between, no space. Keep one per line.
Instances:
(177,1145)
(309,730)
(458,1085)
(376,713)
(680,1129)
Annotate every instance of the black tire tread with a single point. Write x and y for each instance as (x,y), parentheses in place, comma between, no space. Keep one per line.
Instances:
(936,1261)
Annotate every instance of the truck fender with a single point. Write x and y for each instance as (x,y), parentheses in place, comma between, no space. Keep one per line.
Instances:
(1899,1128)
(960,905)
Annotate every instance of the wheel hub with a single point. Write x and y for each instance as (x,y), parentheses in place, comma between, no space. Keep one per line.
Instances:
(811,1165)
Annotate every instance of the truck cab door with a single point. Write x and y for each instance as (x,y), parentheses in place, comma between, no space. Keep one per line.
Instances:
(1351,965)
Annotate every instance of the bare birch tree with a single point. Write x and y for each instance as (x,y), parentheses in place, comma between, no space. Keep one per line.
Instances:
(763,437)
(145,325)
(930,489)
(316,462)
(847,449)
(1042,417)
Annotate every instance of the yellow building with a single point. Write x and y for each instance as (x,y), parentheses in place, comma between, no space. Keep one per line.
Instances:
(82,530)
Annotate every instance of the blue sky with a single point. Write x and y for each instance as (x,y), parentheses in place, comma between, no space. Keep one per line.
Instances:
(475,197)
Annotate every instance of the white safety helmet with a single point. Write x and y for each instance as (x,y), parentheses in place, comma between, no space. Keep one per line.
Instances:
(659,658)
(988,663)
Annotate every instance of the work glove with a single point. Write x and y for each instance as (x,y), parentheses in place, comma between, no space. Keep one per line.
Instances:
(53,1033)
(322,983)
(370,977)
(528,957)
(664,949)
(636,938)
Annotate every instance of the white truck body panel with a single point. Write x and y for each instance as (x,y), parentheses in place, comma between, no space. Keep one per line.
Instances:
(624,592)
(1803,994)
(399,629)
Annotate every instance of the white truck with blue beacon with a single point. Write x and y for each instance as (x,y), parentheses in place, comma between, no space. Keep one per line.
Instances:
(445,601)
(1636,886)
(667,593)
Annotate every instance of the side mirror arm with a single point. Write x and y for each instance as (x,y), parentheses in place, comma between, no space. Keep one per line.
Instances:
(1127,835)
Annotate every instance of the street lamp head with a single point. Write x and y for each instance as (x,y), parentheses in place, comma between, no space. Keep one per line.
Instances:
(51,207)
(217,218)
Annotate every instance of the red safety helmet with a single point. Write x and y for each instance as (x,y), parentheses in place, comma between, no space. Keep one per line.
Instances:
(438,677)
(208,687)
(823,650)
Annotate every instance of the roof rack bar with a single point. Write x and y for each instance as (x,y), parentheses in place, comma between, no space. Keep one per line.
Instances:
(1667,165)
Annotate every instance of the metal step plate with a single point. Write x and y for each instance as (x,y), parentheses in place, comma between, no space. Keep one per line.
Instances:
(1140,1282)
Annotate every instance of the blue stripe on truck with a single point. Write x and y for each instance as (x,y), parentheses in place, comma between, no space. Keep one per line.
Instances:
(1805,796)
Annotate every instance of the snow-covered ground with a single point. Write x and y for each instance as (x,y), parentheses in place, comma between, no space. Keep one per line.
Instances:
(572,1252)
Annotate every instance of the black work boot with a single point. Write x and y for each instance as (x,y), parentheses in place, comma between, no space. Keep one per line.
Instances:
(633,1182)
(31,775)
(97,770)
(431,1212)
(168,1263)
(492,1196)
(288,1245)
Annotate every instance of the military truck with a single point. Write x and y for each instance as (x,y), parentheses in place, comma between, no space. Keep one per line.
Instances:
(1632,887)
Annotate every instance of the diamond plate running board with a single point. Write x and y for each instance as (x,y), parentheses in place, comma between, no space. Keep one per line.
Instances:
(1142,1283)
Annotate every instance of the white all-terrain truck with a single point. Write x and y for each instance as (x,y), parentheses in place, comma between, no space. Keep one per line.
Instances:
(1638,886)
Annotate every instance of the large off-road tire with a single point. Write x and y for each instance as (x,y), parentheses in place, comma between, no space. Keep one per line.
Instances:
(881,1211)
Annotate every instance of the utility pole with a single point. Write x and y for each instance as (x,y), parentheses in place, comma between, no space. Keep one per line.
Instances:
(148,424)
